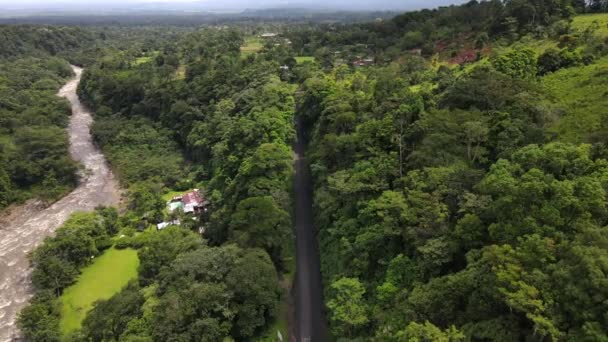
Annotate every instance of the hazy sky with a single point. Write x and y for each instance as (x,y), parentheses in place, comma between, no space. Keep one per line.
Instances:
(221,4)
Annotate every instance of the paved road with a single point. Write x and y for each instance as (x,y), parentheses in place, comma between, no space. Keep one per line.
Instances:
(30,224)
(310,316)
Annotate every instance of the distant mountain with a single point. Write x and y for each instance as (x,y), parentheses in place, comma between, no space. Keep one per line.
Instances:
(28,7)
(352,5)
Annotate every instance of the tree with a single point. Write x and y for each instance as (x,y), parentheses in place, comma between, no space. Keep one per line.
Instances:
(108,319)
(162,248)
(54,274)
(427,332)
(348,311)
(145,199)
(517,64)
(39,322)
(213,293)
(259,222)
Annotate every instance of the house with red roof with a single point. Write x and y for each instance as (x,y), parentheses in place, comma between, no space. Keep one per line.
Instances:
(190,202)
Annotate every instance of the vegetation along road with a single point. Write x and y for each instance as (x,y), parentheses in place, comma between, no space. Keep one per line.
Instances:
(29,225)
(311,324)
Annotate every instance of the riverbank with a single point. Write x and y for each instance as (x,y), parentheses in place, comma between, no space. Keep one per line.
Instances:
(27,226)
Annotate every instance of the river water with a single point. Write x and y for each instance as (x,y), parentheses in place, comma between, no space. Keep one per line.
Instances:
(27,226)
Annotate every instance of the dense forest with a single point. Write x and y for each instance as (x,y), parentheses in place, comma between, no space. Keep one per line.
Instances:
(34,159)
(459,160)
(448,204)
(226,124)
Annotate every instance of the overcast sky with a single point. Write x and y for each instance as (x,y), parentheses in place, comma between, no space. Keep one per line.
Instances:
(202,5)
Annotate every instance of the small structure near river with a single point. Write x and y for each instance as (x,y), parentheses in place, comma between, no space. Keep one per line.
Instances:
(191,202)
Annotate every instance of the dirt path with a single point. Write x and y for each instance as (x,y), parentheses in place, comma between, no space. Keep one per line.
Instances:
(29,225)
(310,316)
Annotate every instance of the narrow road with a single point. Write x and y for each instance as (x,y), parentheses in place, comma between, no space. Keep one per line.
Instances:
(310,315)
(30,224)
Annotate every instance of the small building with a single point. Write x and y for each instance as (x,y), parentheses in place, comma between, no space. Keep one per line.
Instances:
(268,35)
(191,202)
(360,62)
(164,225)
(175,204)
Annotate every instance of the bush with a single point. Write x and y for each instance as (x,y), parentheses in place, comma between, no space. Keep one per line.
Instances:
(553,60)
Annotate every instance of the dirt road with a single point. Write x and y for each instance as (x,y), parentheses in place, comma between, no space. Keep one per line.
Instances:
(310,316)
(30,224)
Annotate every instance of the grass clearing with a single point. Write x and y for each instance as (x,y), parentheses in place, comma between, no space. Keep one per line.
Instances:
(106,276)
(169,195)
(142,60)
(304,59)
(252,45)
(583,94)
(600,20)
(146,59)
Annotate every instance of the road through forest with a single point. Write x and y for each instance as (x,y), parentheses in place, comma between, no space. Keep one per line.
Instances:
(27,226)
(309,310)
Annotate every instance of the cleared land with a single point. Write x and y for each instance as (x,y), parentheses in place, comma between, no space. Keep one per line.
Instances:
(582,92)
(599,21)
(252,44)
(107,275)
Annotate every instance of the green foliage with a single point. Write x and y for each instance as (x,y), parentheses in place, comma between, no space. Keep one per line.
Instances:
(139,152)
(57,261)
(427,332)
(259,222)
(34,145)
(347,309)
(452,206)
(16,40)
(39,321)
(445,210)
(160,249)
(109,320)
(553,60)
(580,92)
(106,276)
(213,293)
(517,64)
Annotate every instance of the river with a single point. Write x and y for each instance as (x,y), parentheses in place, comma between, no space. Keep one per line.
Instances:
(27,226)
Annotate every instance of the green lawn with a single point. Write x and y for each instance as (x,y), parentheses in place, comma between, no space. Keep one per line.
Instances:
(169,195)
(303,59)
(107,275)
(582,92)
